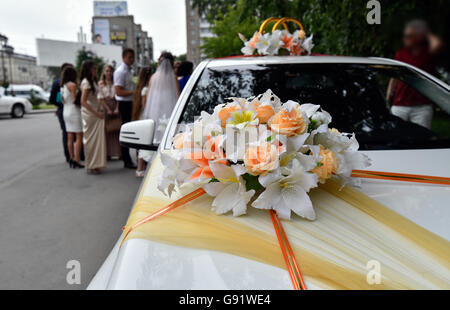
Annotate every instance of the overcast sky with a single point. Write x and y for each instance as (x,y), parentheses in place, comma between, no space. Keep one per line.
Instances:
(25,20)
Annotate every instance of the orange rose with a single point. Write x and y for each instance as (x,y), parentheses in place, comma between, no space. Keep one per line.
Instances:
(225,112)
(288,123)
(261,159)
(263,112)
(327,166)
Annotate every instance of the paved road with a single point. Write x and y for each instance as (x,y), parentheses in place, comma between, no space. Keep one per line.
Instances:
(50,214)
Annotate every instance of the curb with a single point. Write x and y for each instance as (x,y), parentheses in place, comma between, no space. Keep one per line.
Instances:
(42,111)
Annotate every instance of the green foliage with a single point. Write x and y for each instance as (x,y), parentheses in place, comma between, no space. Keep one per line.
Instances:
(226,28)
(34,100)
(181,57)
(339,27)
(83,55)
(251,182)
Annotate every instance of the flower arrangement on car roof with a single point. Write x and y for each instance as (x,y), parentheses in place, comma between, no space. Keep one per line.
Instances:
(278,41)
(262,153)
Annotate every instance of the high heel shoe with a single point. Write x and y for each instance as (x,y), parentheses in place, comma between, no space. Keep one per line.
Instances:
(71,163)
(77,165)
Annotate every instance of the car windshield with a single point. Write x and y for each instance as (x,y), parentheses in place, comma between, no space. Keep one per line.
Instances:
(354,94)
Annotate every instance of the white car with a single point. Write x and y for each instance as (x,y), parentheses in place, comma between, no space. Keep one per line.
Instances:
(26,90)
(13,105)
(352,90)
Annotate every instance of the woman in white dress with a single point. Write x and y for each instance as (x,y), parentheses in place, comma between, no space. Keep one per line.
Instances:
(162,95)
(72,116)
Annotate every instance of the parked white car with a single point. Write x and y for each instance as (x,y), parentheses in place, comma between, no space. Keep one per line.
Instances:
(13,105)
(26,90)
(352,90)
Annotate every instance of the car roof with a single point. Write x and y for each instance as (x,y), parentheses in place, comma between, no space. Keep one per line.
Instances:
(258,60)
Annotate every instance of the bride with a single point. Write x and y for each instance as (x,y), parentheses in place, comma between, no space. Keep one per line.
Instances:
(162,95)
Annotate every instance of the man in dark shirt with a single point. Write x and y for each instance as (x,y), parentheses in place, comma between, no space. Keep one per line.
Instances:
(420,50)
(55,98)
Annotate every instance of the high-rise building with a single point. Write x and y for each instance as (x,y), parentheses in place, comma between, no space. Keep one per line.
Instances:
(111,24)
(197,29)
(121,30)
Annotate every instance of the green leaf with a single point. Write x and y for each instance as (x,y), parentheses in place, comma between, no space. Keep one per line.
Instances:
(251,182)
(313,125)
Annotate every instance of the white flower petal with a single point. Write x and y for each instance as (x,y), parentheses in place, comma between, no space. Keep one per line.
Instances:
(269,198)
(297,200)
(214,188)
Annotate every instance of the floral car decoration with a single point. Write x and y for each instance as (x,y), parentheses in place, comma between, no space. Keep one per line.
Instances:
(292,151)
(278,41)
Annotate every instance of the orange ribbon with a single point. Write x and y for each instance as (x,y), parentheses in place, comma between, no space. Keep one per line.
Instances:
(392,176)
(288,254)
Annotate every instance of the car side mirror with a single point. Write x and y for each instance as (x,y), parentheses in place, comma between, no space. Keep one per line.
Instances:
(138,135)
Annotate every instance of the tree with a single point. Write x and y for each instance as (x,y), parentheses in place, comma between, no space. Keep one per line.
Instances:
(83,55)
(339,27)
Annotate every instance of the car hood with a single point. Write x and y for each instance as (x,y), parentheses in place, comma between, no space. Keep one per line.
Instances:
(145,264)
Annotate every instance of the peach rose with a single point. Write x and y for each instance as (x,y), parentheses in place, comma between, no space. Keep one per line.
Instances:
(178,141)
(288,123)
(261,159)
(263,111)
(225,112)
(301,34)
(327,166)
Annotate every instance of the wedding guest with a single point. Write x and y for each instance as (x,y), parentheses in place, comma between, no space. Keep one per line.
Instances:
(124,89)
(140,98)
(420,49)
(112,117)
(72,116)
(184,72)
(55,99)
(93,119)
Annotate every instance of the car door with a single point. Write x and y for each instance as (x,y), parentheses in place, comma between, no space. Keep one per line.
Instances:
(4,104)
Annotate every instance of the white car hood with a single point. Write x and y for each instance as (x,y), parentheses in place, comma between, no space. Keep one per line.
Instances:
(143,264)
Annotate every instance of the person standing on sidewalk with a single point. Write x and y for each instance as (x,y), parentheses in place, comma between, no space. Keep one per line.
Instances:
(124,89)
(420,49)
(55,99)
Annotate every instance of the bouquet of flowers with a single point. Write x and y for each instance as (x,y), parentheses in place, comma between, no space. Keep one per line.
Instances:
(262,153)
(279,41)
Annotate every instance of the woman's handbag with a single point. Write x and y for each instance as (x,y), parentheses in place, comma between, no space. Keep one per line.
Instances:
(113,123)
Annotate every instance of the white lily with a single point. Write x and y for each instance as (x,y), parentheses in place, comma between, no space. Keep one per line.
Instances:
(230,192)
(308,44)
(286,190)
(176,170)
(268,44)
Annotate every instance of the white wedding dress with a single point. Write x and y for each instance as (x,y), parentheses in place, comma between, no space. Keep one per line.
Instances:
(162,97)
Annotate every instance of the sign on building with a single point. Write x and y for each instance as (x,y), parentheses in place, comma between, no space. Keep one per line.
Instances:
(101,31)
(110,8)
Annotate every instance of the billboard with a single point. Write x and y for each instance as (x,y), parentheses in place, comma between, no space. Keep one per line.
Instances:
(53,53)
(110,8)
(101,31)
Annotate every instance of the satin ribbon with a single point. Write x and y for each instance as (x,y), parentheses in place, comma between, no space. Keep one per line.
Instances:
(392,176)
(288,255)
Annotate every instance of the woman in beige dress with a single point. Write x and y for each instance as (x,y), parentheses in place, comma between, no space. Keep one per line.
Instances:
(93,118)
(106,97)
